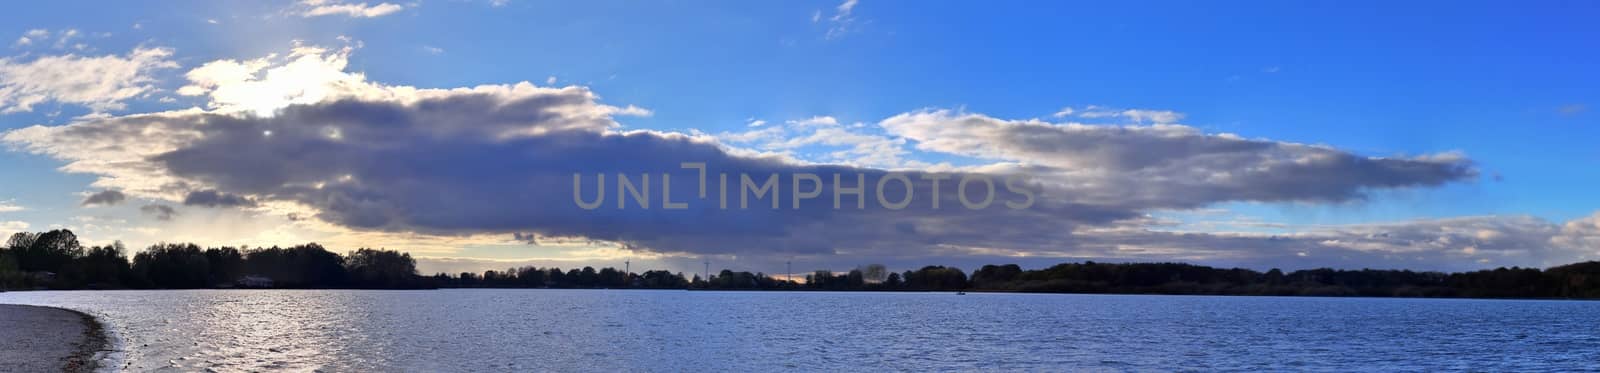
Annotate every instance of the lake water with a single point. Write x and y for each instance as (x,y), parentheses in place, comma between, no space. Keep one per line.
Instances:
(611,330)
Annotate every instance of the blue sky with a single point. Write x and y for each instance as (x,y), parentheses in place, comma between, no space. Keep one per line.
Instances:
(1510,86)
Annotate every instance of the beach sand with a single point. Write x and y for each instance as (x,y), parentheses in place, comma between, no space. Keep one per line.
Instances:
(45,339)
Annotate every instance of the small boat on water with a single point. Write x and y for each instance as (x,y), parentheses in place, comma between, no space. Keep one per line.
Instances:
(961,293)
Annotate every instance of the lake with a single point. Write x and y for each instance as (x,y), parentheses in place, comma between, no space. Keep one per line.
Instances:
(610,330)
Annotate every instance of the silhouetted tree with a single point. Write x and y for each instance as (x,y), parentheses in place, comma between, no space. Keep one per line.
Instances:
(50,251)
(226,263)
(382,269)
(102,267)
(173,266)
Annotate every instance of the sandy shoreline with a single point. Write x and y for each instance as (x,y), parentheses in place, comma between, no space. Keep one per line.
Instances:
(46,339)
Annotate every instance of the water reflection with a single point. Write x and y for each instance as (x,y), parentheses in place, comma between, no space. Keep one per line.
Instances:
(587,330)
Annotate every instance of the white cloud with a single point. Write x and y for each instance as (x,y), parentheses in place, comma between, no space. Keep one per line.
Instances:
(305,75)
(821,120)
(432,50)
(1153,116)
(842,22)
(318,8)
(262,87)
(65,36)
(847,146)
(1137,115)
(9,227)
(9,206)
(37,35)
(101,83)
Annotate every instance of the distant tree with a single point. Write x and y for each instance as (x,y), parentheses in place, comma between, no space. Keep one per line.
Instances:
(937,278)
(855,279)
(531,277)
(1274,276)
(875,273)
(173,266)
(555,278)
(226,264)
(102,267)
(50,251)
(383,269)
(10,275)
(300,266)
(994,276)
(21,240)
(612,278)
(588,278)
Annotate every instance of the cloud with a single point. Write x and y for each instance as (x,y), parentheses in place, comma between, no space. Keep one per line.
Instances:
(318,8)
(1582,234)
(212,198)
(104,198)
(9,227)
(839,144)
(1171,166)
(30,36)
(499,160)
(842,22)
(1153,116)
(488,159)
(432,50)
(160,212)
(1137,115)
(66,36)
(101,83)
(1463,243)
(9,206)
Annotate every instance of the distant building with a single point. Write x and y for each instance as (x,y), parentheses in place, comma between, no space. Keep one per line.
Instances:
(254,282)
(42,276)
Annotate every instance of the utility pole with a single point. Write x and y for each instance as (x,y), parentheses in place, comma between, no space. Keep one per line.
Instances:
(708,271)
(788,271)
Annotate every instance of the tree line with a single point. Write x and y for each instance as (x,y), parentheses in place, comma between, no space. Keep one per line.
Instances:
(56,260)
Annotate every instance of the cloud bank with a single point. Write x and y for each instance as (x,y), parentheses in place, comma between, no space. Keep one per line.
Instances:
(499,159)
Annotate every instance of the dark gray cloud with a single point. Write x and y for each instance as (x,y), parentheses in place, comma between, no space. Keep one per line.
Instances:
(450,184)
(484,163)
(1173,166)
(104,198)
(501,159)
(212,198)
(159,211)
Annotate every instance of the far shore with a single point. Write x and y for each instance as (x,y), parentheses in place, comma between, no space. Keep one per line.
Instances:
(808,290)
(50,339)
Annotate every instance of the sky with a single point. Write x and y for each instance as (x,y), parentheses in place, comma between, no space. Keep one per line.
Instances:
(1263,134)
